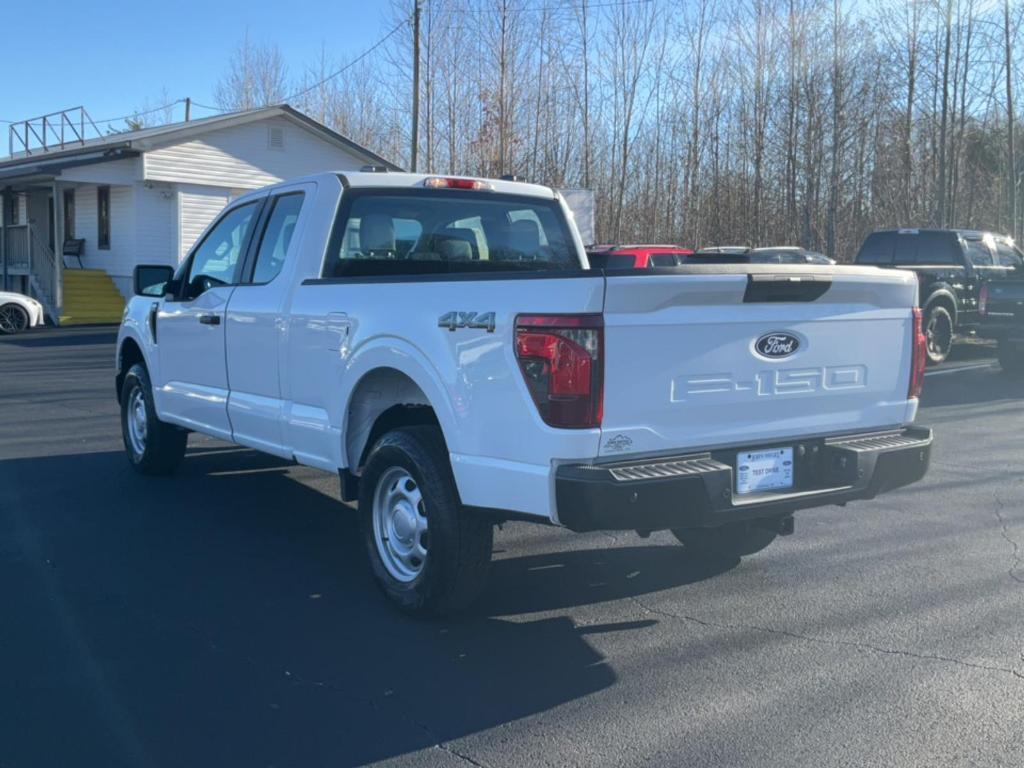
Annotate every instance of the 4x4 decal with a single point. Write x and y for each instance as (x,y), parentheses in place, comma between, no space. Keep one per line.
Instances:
(455,320)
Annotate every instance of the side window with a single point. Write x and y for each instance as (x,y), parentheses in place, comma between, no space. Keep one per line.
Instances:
(877,249)
(215,261)
(663,260)
(277,236)
(1007,255)
(977,253)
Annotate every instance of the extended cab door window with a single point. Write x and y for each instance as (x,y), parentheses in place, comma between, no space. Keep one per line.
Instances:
(277,237)
(216,260)
(1007,255)
(977,253)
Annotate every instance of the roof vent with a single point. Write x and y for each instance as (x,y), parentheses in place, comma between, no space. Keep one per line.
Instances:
(275,137)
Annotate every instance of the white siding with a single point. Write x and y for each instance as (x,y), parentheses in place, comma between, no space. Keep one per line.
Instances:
(197,207)
(241,157)
(125,171)
(156,235)
(119,260)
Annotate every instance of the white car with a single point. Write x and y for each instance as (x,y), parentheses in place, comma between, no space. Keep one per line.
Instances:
(18,312)
(442,345)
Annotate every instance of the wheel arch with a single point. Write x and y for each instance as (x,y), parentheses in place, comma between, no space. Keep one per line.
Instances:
(391,386)
(943,297)
(129,352)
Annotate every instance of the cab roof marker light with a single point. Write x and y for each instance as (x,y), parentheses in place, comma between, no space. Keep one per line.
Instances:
(446,182)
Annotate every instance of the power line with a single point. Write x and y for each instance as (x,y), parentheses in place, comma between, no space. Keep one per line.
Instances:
(141,114)
(351,64)
(563,7)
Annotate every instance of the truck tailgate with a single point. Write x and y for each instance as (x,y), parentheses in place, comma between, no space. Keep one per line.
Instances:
(746,355)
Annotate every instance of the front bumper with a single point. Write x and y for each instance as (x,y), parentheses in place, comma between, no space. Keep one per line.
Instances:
(697,489)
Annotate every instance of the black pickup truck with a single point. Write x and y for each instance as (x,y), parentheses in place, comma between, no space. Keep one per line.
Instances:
(952,265)
(1001,307)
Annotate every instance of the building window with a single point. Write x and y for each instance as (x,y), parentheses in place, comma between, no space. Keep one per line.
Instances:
(12,209)
(103,218)
(69,214)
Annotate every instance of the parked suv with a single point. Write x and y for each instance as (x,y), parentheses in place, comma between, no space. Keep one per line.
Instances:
(951,267)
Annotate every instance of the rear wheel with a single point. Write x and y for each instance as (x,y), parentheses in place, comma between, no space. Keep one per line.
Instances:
(1011,358)
(153,446)
(429,556)
(938,333)
(726,541)
(13,319)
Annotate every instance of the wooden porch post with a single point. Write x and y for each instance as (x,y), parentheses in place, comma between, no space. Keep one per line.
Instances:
(58,248)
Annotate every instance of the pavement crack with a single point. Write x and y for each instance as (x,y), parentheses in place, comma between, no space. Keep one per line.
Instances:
(865,647)
(1005,533)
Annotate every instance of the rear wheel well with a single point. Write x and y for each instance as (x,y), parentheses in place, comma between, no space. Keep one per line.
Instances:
(942,300)
(128,355)
(383,400)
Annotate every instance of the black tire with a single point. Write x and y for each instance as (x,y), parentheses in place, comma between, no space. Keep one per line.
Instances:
(13,319)
(938,332)
(726,541)
(1011,358)
(458,553)
(162,445)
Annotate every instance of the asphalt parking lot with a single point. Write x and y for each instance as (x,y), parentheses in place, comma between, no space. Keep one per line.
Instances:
(224,617)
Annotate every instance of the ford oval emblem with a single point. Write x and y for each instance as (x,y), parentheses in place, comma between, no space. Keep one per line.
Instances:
(777,345)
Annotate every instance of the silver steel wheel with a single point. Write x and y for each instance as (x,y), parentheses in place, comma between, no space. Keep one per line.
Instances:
(400,524)
(137,422)
(13,319)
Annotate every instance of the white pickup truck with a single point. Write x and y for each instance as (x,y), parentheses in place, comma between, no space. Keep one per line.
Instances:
(441,343)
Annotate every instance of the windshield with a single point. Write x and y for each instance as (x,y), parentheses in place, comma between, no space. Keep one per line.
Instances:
(417,231)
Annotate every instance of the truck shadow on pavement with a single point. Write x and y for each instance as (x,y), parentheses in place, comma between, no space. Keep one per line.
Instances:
(226,617)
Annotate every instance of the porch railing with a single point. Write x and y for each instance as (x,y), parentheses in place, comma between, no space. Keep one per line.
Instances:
(17,246)
(43,269)
(27,253)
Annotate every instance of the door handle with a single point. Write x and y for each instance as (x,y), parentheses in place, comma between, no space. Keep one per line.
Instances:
(209,319)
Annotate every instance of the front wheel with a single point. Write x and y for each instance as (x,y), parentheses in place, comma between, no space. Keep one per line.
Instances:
(429,556)
(153,446)
(938,333)
(729,541)
(13,319)
(1011,358)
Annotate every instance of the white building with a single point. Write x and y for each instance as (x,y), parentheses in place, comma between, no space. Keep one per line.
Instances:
(144,197)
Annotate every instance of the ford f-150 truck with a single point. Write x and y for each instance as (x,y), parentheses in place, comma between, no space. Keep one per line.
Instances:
(441,343)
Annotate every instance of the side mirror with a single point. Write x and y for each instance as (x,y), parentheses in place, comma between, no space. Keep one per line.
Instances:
(151,279)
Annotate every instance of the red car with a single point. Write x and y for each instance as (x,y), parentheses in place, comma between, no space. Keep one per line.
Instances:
(636,256)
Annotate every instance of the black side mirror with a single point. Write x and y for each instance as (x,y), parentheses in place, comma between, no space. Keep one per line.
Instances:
(152,279)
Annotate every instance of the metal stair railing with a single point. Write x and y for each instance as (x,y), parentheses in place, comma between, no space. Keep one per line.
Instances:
(43,273)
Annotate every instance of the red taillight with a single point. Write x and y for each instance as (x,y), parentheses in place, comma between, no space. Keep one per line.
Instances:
(983,300)
(919,356)
(561,360)
(444,182)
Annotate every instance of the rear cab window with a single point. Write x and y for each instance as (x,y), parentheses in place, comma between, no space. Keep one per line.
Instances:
(877,249)
(389,231)
(934,248)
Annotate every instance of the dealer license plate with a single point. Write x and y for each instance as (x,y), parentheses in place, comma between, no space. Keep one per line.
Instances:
(766,470)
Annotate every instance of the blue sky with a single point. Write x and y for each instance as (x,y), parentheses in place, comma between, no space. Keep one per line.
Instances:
(113,56)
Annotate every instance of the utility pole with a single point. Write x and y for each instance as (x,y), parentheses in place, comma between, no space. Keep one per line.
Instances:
(1012,159)
(188,108)
(415,82)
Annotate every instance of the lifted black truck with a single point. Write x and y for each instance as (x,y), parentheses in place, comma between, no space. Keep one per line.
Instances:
(952,265)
